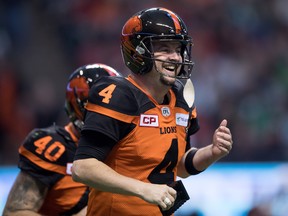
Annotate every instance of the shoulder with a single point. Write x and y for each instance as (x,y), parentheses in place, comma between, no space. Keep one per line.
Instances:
(53,133)
(40,133)
(116,94)
(111,88)
(52,144)
(178,88)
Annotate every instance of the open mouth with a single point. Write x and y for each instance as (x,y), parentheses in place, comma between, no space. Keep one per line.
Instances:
(170,69)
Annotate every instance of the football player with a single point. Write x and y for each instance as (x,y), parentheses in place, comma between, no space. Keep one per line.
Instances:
(135,140)
(44,185)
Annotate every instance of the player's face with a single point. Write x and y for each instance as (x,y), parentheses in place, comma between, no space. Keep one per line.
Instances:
(167,54)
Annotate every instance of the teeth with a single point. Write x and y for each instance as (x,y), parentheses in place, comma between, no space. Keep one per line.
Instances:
(170,67)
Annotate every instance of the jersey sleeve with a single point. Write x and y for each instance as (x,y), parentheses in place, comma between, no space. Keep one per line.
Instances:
(41,156)
(111,107)
(113,94)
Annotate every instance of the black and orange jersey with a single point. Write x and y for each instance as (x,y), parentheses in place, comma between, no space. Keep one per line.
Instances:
(47,155)
(150,139)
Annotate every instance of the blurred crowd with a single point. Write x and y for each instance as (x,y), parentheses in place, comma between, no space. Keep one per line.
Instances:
(240,54)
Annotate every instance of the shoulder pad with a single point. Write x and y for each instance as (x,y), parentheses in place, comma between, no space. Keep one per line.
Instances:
(49,145)
(117,94)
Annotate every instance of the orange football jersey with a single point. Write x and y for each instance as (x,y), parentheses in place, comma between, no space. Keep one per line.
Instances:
(47,155)
(149,151)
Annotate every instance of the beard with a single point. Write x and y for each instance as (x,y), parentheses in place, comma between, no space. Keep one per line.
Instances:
(166,80)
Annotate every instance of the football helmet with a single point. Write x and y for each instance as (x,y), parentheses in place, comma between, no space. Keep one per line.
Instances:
(149,25)
(77,90)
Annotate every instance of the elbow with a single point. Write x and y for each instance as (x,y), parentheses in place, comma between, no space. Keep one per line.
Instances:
(76,172)
(181,171)
(183,174)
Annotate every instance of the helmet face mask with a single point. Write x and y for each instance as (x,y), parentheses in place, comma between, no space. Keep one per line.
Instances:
(147,26)
(186,45)
(77,90)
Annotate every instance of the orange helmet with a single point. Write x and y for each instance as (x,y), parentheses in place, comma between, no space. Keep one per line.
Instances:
(77,90)
(150,25)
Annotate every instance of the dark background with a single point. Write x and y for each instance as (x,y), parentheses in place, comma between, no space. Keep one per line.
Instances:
(240,53)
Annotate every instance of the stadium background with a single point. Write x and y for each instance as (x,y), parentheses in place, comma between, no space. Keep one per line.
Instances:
(240,73)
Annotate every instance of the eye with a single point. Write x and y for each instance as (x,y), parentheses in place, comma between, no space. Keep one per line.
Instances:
(178,50)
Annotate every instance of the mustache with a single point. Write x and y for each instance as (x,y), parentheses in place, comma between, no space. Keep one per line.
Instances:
(175,63)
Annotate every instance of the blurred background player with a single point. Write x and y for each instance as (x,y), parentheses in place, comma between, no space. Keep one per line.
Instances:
(44,185)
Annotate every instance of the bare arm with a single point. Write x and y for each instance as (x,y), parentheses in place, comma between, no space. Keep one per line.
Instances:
(204,157)
(98,175)
(26,196)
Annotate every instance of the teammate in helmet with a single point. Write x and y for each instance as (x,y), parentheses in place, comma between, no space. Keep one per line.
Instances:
(44,185)
(135,140)
(78,88)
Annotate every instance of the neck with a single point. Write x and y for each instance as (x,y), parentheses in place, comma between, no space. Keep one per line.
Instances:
(147,83)
(72,129)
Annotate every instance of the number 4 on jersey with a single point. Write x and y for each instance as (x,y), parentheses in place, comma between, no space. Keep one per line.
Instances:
(107,93)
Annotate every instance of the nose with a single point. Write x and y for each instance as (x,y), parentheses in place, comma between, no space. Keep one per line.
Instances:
(174,56)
